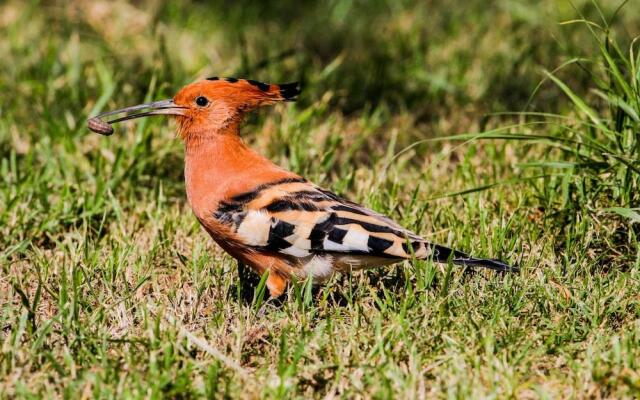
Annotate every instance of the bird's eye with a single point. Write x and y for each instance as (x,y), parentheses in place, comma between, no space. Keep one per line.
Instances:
(202,101)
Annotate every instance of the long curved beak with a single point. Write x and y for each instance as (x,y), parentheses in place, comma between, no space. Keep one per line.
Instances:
(162,107)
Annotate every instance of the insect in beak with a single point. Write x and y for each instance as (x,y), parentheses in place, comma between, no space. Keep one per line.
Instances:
(162,107)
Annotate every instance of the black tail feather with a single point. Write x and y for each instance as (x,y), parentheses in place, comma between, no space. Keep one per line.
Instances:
(444,254)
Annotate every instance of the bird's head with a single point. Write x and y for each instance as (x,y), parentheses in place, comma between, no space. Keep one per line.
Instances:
(206,107)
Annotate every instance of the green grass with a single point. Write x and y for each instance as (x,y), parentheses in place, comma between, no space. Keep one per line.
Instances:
(492,128)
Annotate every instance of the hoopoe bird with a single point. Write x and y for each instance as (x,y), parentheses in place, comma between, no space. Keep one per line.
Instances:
(266,217)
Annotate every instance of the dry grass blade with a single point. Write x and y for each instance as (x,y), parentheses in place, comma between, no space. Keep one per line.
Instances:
(205,346)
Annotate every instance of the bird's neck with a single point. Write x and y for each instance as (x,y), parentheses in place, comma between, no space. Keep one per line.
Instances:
(219,166)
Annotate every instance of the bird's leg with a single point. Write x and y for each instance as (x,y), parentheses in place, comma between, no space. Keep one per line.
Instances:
(277,269)
(248,282)
(276,283)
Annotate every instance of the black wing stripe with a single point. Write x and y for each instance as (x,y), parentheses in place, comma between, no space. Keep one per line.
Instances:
(378,245)
(253,194)
(282,229)
(415,246)
(277,234)
(227,208)
(228,213)
(310,195)
(337,235)
(289,205)
(343,207)
(332,195)
(316,237)
(320,230)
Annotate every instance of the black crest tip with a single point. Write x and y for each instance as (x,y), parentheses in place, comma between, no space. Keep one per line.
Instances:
(289,91)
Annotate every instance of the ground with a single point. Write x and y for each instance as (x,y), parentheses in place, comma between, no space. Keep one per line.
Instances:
(492,127)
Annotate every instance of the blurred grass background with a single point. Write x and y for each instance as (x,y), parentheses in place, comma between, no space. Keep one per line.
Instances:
(404,104)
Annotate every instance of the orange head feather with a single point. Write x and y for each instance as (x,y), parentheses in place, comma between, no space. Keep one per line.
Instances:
(214,104)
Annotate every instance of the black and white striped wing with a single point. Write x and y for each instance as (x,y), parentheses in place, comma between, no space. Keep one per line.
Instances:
(297,219)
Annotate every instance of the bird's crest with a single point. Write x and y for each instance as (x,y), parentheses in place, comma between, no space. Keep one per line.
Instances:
(269,91)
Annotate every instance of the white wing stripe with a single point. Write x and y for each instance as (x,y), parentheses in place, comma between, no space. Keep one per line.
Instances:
(295,251)
(254,229)
(329,245)
(355,240)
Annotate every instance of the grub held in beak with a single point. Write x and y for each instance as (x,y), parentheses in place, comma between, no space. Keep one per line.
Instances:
(162,107)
